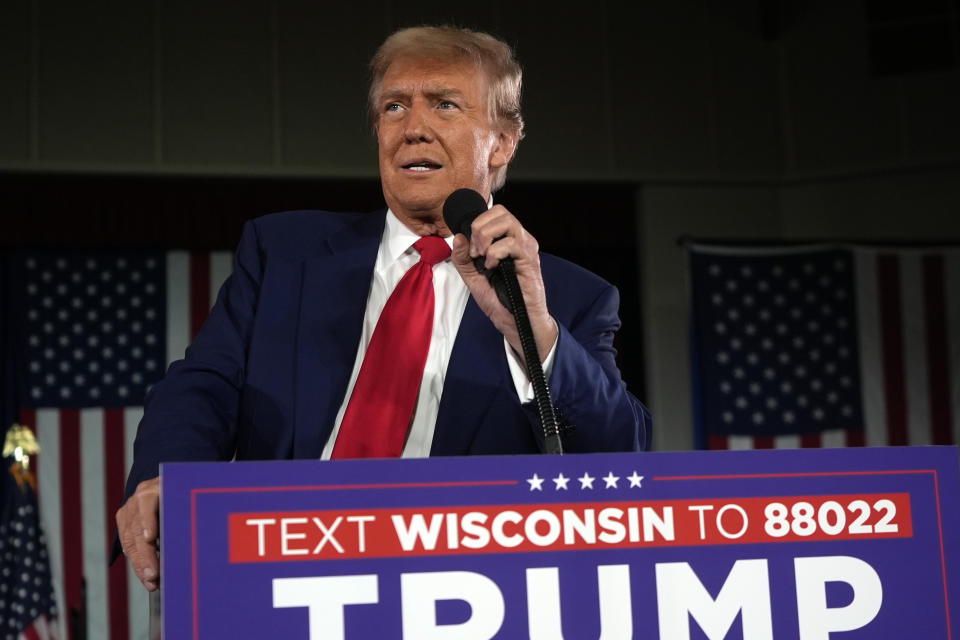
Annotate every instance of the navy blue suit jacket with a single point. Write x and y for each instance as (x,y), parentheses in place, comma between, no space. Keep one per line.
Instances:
(269,369)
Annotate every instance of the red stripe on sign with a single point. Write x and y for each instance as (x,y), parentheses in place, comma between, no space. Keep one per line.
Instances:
(891,331)
(298,536)
(943,559)
(763,442)
(717,443)
(811,441)
(199,290)
(114,450)
(938,350)
(70,506)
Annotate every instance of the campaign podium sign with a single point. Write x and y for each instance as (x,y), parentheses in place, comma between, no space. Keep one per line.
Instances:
(810,544)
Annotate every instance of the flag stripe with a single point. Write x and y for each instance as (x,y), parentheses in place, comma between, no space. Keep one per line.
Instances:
(763,442)
(952,277)
(137,601)
(938,349)
(914,349)
(868,325)
(829,438)
(72,518)
(716,443)
(114,475)
(221,263)
(40,630)
(832,438)
(888,273)
(30,634)
(199,291)
(810,441)
(93,516)
(856,438)
(791,441)
(48,435)
(178,321)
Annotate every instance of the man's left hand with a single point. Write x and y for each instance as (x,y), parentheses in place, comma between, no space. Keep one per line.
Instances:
(515,243)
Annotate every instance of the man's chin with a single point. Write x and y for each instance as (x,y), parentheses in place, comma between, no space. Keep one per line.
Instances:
(420,205)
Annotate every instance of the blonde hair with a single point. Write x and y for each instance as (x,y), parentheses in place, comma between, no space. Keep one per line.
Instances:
(490,55)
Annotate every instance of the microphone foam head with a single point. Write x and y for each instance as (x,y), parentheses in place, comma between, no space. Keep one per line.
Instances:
(461,208)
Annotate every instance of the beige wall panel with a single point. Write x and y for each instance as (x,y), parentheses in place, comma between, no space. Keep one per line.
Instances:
(841,116)
(15,81)
(667,213)
(566,93)
(746,90)
(485,16)
(95,82)
(217,83)
(931,114)
(894,207)
(323,84)
(661,86)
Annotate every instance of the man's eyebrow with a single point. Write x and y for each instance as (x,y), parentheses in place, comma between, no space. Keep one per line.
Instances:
(435,93)
(393,94)
(442,92)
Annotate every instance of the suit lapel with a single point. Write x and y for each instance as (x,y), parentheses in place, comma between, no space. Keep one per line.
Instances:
(475,373)
(333,302)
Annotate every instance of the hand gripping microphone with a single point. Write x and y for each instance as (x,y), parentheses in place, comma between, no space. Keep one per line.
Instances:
(459,211)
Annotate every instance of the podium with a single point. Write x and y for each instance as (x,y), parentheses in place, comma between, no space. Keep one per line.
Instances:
(751,544)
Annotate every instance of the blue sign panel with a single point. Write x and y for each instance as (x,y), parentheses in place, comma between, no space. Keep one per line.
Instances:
(810,544)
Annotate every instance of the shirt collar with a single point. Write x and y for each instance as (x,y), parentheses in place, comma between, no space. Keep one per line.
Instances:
(398,238)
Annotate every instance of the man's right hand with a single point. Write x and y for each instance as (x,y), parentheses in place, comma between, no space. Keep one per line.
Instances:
(138,526)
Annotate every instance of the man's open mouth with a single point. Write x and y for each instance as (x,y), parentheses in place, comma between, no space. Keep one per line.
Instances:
(422,165)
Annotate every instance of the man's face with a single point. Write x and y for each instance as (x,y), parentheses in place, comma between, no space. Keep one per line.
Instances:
(435,136)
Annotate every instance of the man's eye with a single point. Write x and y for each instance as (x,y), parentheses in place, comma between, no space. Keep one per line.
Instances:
(446,104)
(393,106)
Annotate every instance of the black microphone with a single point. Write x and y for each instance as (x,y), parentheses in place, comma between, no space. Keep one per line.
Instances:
(460,209)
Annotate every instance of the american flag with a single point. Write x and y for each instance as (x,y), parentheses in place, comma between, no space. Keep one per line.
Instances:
(27,608)
(815,346)
(94,331)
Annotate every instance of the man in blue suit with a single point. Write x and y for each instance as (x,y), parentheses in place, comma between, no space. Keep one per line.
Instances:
(276,368)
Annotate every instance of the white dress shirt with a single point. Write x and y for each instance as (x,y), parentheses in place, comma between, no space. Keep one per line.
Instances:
(394,258)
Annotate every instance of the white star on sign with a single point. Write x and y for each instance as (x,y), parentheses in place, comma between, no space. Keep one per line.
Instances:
(536,483)
(611,480)
(561,481)
(586,481)
(635,480)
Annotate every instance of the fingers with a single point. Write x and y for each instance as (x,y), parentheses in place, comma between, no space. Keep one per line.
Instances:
(461,250)
(497,234)
(138,528)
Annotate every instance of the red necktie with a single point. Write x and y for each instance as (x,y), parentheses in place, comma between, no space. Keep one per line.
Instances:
(378,416)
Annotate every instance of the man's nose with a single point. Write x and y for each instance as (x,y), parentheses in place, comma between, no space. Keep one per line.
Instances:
(417,125)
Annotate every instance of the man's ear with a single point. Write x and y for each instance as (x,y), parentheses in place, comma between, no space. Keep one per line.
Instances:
(503,150)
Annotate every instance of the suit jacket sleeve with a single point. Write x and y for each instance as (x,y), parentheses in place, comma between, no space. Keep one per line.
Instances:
(585,383)
(192,414)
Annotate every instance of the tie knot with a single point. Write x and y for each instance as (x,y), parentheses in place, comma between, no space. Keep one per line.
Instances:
(433,249)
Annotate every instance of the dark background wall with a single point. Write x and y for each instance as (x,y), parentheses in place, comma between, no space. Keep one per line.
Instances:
(169,122)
